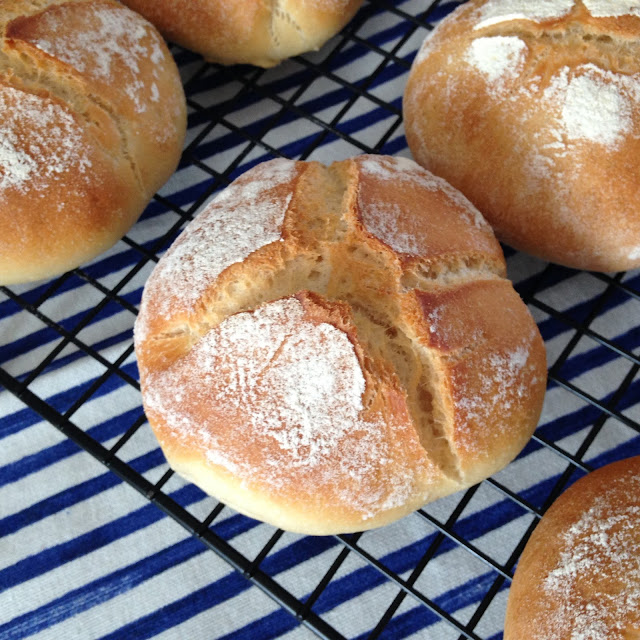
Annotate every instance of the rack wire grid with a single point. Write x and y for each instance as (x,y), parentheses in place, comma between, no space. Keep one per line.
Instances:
(67,362)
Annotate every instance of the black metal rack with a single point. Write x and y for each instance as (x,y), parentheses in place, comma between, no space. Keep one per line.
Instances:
(590,322)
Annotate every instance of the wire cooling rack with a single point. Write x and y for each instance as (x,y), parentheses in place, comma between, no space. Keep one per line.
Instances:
(67,361)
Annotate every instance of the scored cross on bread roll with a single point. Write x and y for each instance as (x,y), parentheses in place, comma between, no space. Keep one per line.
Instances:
(329,348)
(531,110)
(92,120)
(257,32)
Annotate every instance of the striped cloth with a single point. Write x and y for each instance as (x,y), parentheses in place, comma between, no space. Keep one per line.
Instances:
(84,555)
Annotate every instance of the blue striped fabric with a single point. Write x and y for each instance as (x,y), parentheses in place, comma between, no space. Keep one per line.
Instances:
(83,555)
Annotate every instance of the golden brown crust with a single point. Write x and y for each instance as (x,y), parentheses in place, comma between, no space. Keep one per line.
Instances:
(258,32)
(534,120)
(54,216)
(579,575)
(327,479)
(334,359)
(489,365)
(92,123)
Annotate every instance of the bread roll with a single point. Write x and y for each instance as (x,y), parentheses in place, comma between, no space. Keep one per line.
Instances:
(327,349)
(92,120)
(579,575)
(531,110)
(248,31)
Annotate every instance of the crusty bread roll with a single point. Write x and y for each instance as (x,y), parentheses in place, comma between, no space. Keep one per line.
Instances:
(327,349)
(248,31)
(579,575)
(92,120)
(531,109)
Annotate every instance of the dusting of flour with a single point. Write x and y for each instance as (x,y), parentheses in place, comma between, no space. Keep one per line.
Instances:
(285,394)
(497,11)
(604,547)
(584,104)
(116,34)
(596,105)
(634,253)
(39,141)
(503,383)
(608,8)
(497,57)
(381,219)
(241,219)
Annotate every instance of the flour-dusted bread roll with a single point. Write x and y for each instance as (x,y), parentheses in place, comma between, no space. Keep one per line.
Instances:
(92,120)
(327,349)
(257,32)
(531,109)
(579,575)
